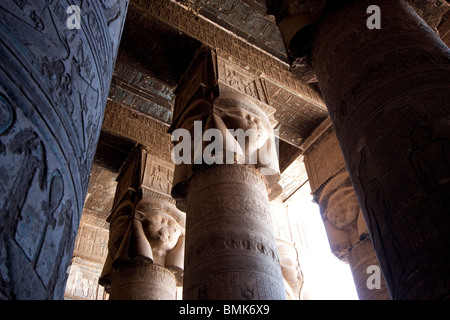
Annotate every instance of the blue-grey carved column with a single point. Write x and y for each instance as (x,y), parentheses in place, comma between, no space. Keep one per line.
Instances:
(55,73)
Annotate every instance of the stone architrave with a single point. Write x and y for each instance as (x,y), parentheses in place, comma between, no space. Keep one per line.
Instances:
(231,251)
(387,93)
(56,69)
(444,27)
(146,240)
(340,211)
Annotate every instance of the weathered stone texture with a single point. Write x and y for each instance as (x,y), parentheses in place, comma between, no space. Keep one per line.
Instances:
(231,252)
(138,127)
(82,282)
(345,227)
(387,93)
(54,86)
(144,281)
(146,234)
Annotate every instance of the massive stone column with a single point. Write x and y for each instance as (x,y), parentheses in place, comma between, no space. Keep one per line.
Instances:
(387,92)
(146,240)
(56,67)
(344,224)
(231,252)
(224,186)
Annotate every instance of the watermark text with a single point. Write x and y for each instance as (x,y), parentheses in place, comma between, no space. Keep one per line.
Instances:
(374,21)
(74,20)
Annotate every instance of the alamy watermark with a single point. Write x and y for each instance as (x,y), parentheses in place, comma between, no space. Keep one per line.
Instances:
(214,146)
(374,280)
(374,21)
(74,20)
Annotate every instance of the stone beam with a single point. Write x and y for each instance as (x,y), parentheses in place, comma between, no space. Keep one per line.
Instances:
(122,120)
(226,44)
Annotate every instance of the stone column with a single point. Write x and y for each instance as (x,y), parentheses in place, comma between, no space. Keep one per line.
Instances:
(387,92)
(344,224)
(56,67)
(231,251)
(291,269)
(289,236)
(361,259)
(146,241)
(348,236)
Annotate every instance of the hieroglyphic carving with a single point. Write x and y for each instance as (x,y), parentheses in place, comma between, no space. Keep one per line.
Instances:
(91,243)
(297,116)
(143,282)
(54,89)
(219,39)
(36,192)
(400,85)
(82,282)
(138,127)
(146,231)
(227,222)
(158,175)
(235,78)
(99,197)
(133,88)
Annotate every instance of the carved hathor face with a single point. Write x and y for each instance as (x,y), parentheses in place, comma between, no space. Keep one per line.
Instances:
(244,115)
(160,229)
(343,208)
(258,141)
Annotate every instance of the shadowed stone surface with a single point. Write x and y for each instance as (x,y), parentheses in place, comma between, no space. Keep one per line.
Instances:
(55,82)
(387,96)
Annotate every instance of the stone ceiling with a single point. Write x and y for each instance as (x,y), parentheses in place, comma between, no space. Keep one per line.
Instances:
(160,40)
(246,19)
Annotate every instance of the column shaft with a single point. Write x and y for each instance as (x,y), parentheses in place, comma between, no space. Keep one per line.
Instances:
(231,252)
(387,92)
(143,281)
(54,85)
(361,259)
